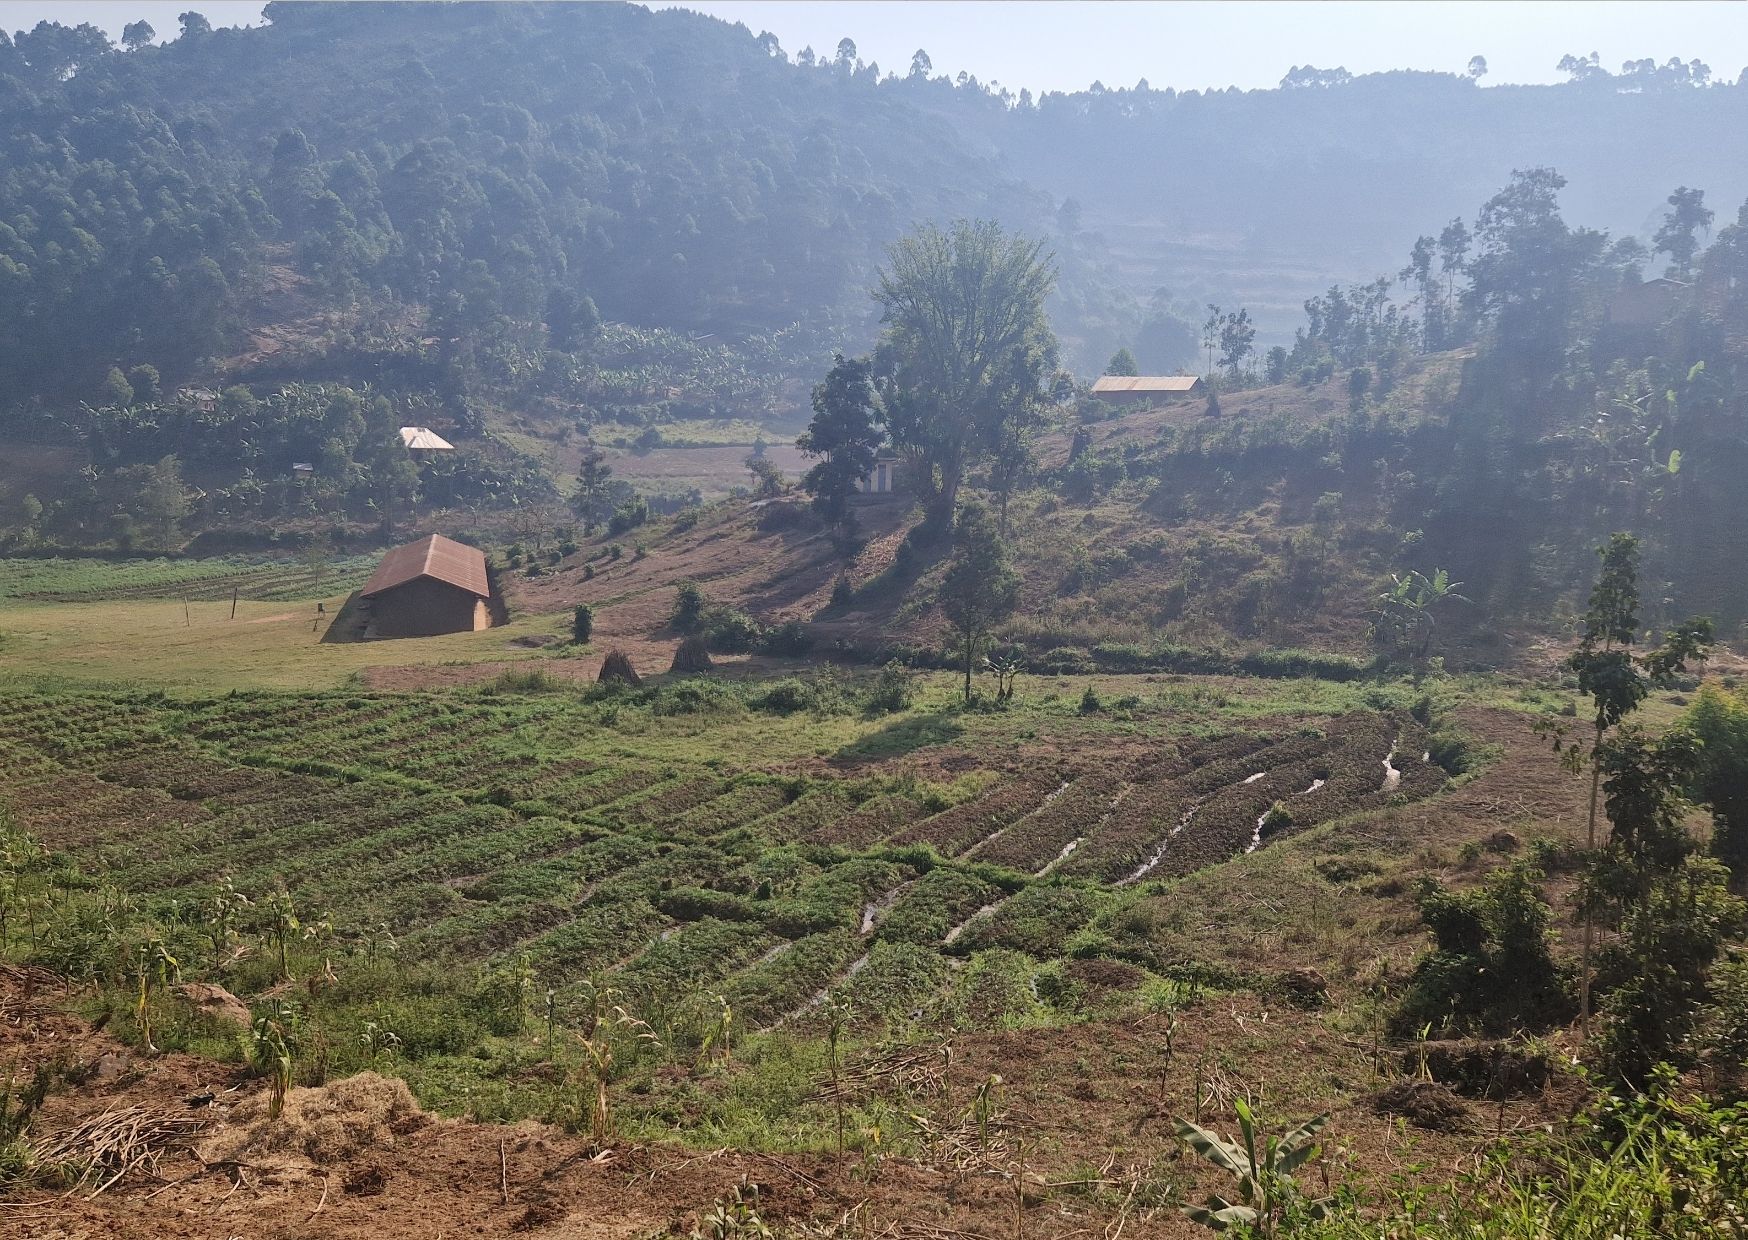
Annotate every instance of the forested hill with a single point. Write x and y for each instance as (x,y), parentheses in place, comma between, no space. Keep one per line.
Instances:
(498,178)
(502,165)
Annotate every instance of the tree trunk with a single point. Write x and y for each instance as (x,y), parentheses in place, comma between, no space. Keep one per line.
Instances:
(970,654)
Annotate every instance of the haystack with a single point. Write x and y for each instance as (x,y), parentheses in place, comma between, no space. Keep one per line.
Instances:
(617,666)
(691,656)
(327,1125)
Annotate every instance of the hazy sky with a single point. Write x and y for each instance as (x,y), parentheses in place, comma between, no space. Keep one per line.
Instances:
(1196,44)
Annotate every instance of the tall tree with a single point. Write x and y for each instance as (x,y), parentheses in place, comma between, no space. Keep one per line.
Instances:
(1687,217)
(1617,682)
(1453,259)
(959,305)
(1211,333)
(1122,363)
(846,435)
(592,500)
(1237,341)
(136,35)
(1527,279)
(980,589)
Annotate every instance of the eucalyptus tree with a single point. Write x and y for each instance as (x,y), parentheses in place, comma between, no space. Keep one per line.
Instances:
(1617,681)
(965,349)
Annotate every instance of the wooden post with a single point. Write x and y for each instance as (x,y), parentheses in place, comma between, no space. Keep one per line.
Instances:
(235,590)
(187,620)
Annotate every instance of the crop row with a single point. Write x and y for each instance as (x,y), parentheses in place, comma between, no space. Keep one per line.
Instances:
(481,829)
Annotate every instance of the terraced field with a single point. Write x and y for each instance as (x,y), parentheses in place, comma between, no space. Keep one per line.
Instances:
(561,830)
(262,578)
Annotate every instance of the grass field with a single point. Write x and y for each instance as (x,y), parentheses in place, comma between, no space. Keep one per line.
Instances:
(252,577)
(1115,899)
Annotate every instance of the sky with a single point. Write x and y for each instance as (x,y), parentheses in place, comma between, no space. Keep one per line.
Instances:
(1193,44)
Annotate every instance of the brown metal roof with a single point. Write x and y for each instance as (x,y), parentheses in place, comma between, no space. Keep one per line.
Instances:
(1145,383)
(437,557)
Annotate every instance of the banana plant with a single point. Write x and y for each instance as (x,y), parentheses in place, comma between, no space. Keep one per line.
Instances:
(1267,1192)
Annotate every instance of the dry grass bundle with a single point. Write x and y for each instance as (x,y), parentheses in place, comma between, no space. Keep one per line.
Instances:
(103,1149)
(907,1073)
(325,1125)
(617,666)
(693,655)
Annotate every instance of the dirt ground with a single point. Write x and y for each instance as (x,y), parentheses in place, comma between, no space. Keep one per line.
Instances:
(1080,1141)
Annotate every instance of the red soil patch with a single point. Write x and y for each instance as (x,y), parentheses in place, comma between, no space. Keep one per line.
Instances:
(342,1166)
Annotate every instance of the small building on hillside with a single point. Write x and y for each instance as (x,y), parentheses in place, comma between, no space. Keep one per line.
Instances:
(432,586)
(1145,389)
(882,479)
(1645,304)
(424,439)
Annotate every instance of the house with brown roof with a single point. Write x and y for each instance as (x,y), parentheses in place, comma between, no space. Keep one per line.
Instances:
(432,586)
(1147,390)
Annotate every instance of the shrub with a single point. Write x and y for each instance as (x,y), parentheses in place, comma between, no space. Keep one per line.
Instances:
(582,624)
(730,631)
(695,697)
(1491,968)
(789,639)
(785,697)
(891,690)
(525,680)
(822,695)
(588,572)
(1064,661)
(843,593)
(1090,704)
(688,613)
(1121,657)
(628,516)
(615,551)
(781,516)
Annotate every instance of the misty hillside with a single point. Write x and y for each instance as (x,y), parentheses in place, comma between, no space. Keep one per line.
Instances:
(516,173)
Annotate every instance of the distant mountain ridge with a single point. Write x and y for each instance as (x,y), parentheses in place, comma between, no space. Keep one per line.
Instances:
(519,171)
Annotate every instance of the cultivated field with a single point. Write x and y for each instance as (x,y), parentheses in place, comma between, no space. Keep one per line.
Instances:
(679,839)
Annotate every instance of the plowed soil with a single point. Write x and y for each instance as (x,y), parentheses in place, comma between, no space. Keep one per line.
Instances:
(1095,1096)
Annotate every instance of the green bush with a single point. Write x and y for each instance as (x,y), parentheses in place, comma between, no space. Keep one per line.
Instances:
(785,697)
(891,690)
(628,516)
(688,613)
(730,631)
(788,639)
(1491,969)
